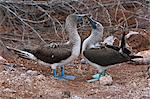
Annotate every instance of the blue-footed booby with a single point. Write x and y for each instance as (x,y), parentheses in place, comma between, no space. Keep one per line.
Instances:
(54,56)
(103,57)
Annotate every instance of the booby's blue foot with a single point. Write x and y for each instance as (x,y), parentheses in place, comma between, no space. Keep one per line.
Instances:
(67,77)
(55,73)
(56,76)
(63,76)
(96,77)
(92,80)
(59,78)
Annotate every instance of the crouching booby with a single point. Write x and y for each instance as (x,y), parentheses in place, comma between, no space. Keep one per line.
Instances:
(102,57)
(57,55)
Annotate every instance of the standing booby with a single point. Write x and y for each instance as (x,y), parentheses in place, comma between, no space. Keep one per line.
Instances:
(57,55)
(102,57)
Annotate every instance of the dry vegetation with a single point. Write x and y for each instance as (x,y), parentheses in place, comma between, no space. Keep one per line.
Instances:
(35,22)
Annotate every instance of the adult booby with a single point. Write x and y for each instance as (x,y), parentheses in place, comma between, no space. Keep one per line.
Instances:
(102,57)
(57,55)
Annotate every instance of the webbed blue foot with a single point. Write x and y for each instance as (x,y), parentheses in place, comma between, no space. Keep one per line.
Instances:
(67,77)
(92,80)
(63,76)
(56,76)
(97,77)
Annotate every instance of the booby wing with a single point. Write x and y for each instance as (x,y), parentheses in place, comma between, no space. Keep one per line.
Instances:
(45,54)
(105,56)
(51,55)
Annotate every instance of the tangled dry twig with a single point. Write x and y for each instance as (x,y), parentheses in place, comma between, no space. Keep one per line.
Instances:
(40,17)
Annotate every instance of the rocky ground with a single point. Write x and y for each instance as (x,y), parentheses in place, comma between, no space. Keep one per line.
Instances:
(23,79)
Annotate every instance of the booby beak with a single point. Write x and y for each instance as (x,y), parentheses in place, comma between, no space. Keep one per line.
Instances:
(92,22)
(80,17)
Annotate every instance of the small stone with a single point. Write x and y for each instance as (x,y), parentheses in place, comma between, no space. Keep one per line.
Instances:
(40,77)
(32,73)
(7,90)
(66,94)
(76,97)
(83,61)
(23,75)
(106,80)
(10,67)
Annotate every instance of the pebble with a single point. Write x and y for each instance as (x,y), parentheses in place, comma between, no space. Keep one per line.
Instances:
(32,73)
(76,97)
(106,80)
(22,75)
(40,76)
(66,94)
(9,90)
(9,67)
(83,61)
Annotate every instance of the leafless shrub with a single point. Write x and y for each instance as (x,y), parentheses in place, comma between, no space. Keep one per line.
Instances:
(33,19)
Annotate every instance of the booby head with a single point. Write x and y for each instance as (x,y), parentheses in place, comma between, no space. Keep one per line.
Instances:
(75,18)
(71,27)
(95,25)
(97,29)
(79,17)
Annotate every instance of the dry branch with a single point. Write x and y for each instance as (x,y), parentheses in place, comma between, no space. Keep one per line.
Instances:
(40,17)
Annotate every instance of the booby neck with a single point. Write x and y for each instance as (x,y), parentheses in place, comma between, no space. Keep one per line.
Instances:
(95,36)
(74,38)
